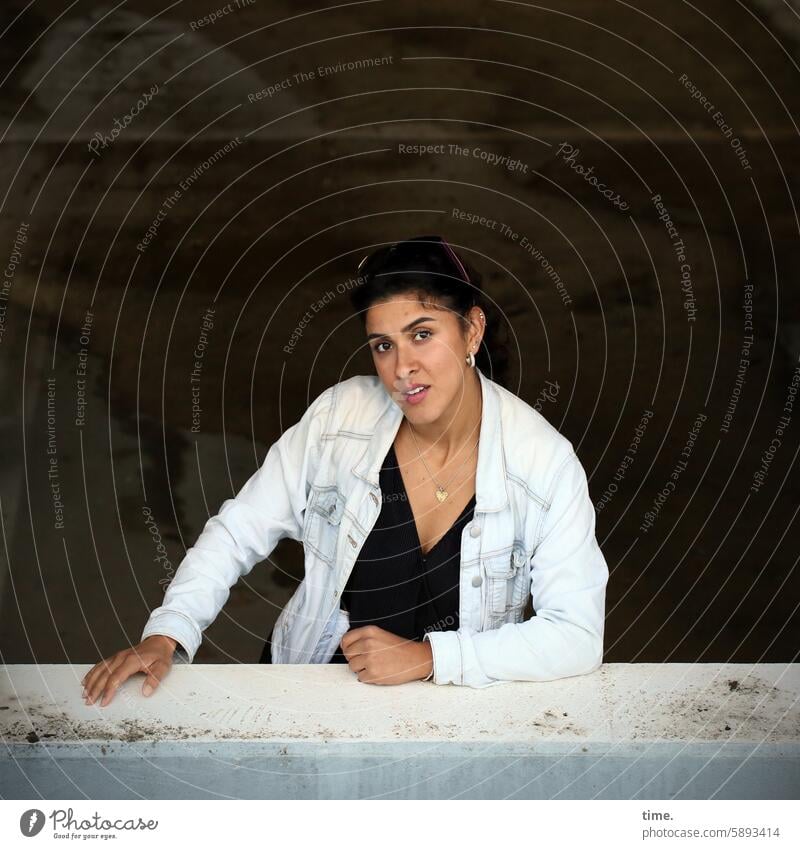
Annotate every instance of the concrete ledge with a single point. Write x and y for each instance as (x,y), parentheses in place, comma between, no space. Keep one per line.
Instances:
(650,731)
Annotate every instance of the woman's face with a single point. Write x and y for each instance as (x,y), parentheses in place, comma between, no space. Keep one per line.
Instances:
(414,343)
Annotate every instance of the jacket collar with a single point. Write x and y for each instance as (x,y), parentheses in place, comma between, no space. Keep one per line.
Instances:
(491,492)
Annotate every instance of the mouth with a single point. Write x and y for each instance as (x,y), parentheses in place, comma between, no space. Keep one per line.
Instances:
(416,394)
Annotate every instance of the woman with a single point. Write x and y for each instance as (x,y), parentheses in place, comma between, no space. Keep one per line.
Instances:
(431,503)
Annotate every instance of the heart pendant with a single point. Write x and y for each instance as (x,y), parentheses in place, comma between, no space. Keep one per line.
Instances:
(441,494)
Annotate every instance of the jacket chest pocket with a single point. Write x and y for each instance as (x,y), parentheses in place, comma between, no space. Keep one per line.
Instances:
(323,520)
(507,580)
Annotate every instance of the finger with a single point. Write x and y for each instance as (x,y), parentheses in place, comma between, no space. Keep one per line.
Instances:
(358,663)
(99,684)
(95,671)
(365,646)
(130,665)
(153,678)
(99,675)
(352,635)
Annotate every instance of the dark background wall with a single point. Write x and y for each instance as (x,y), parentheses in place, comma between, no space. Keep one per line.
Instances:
(120,119)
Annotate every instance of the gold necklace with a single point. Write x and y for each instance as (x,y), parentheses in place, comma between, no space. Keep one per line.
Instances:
(441,491)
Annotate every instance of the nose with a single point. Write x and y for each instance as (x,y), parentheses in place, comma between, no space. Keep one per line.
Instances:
(404,364)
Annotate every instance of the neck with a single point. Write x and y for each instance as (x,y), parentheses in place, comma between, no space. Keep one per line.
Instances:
(457,428)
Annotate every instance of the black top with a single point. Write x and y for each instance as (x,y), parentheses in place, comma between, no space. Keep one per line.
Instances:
(393,585)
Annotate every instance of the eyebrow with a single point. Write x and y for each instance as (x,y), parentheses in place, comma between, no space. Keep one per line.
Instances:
(413,324)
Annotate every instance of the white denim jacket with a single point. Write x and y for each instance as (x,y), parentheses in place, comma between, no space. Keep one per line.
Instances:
(533,533)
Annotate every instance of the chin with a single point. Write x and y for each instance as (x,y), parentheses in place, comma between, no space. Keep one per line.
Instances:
(419,416)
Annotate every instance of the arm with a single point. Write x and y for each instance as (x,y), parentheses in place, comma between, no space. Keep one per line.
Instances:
(568,582)
(268,507)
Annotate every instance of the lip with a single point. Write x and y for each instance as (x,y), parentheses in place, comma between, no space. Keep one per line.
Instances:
(419,397)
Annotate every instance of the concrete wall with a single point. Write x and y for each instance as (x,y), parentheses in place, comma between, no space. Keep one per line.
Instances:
(649,731)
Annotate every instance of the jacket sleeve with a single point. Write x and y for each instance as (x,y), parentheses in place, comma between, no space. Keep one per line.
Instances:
(270,506)
(568,582)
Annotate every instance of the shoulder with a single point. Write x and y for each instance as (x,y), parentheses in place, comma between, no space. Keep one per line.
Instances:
(535,451)
(353,404)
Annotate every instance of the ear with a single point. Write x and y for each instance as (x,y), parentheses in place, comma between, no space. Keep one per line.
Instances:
(478,325)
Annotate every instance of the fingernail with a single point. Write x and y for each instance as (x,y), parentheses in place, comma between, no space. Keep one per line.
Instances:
(147,689)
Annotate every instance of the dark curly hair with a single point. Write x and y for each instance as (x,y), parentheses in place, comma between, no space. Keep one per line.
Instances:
(429,267)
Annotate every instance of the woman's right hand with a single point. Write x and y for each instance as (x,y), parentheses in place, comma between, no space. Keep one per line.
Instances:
(153,656)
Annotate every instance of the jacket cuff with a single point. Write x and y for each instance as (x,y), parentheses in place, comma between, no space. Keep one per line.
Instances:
(446,649)
(177,625)
(455,660)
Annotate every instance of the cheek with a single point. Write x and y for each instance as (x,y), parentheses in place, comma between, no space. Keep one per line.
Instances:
(445,353)
(385,371)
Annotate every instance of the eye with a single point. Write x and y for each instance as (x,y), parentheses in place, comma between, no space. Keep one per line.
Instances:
(377,348)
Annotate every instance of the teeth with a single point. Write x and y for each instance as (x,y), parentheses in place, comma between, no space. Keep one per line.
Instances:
(415,391)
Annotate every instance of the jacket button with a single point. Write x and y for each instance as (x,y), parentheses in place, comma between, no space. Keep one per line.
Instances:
(477,581)
(475,531)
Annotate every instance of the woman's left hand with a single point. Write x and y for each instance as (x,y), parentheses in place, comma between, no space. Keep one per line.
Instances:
(380,657)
